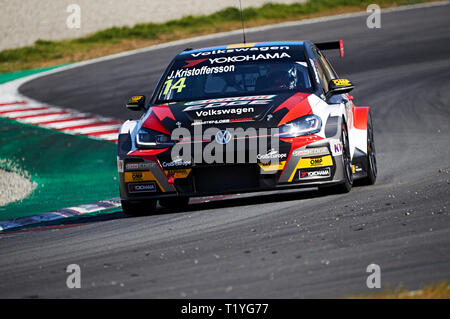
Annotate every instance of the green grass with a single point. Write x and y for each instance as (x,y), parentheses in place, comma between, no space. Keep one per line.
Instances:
(6,77)
(112,40)
(68,170)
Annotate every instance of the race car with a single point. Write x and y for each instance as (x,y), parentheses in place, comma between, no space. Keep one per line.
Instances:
(241,118)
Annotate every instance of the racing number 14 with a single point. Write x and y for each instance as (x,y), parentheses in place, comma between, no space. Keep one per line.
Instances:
(179,86)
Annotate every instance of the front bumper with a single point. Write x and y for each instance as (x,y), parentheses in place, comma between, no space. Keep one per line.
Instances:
(142,177)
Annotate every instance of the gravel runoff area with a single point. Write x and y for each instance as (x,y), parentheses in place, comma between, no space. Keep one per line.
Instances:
(14,187)
(24,22)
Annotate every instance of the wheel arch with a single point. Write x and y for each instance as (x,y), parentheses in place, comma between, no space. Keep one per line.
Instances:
(127,134)
(360,116)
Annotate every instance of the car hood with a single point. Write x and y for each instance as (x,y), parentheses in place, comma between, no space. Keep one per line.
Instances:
(258,111)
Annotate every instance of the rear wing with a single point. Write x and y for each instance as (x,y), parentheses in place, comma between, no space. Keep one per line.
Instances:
(335,45)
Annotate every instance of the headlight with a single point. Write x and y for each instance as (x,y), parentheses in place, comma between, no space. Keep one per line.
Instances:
(146,138)
(309,124)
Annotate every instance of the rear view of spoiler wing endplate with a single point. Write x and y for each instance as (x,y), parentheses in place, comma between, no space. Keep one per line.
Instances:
(335,45)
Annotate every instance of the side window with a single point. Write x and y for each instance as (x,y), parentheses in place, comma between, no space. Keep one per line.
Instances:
(333,73)
(328,72)
(323,76)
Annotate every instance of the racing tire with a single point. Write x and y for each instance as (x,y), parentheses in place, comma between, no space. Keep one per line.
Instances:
(138,208)
(345,186)
(174,202)
(371,156)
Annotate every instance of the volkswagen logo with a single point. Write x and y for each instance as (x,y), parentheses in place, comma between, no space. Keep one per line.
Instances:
(223,137)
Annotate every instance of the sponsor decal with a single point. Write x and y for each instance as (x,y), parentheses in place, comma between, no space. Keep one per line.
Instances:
(178,161)
(272,167)
(316,162)
(120,165)
(200,71)
(341,82)
(132,166)
(321,173)
(336,147)
(214,122)
(224,112)
(237,48)
(223,137)
(272,154)
(139,166)
(178,85)
(142,188)
(135,99)
(247,58)
(309,152)
(191,63)
(141,176)
(178,173)
(232,99)
(137,176)
(241,45)
(226,104)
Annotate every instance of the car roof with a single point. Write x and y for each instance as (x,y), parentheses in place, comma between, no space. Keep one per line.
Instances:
(237,46)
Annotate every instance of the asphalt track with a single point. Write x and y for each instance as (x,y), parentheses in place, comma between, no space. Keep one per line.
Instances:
(279,245)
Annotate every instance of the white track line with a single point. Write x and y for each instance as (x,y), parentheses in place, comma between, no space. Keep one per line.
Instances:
(17,107)
(6,102)
(46,118)
(109,137)
(62,125)
(28,112)
(93,129)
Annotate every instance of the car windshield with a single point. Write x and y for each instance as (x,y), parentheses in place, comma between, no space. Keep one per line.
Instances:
(196,79)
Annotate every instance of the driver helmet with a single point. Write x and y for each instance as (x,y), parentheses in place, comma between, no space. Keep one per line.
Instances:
(280,76)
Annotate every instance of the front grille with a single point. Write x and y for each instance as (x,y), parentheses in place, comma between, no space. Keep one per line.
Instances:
(226,178)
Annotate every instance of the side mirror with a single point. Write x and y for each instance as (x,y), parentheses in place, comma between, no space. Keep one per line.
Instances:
(339,86)
(136,103)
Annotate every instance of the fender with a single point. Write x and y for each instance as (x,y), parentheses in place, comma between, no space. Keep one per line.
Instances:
(358,133)
(360,115)
(125,141)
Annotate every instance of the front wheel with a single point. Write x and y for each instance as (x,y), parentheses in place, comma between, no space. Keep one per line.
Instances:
(371,155)
(345,186)
(138,208)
